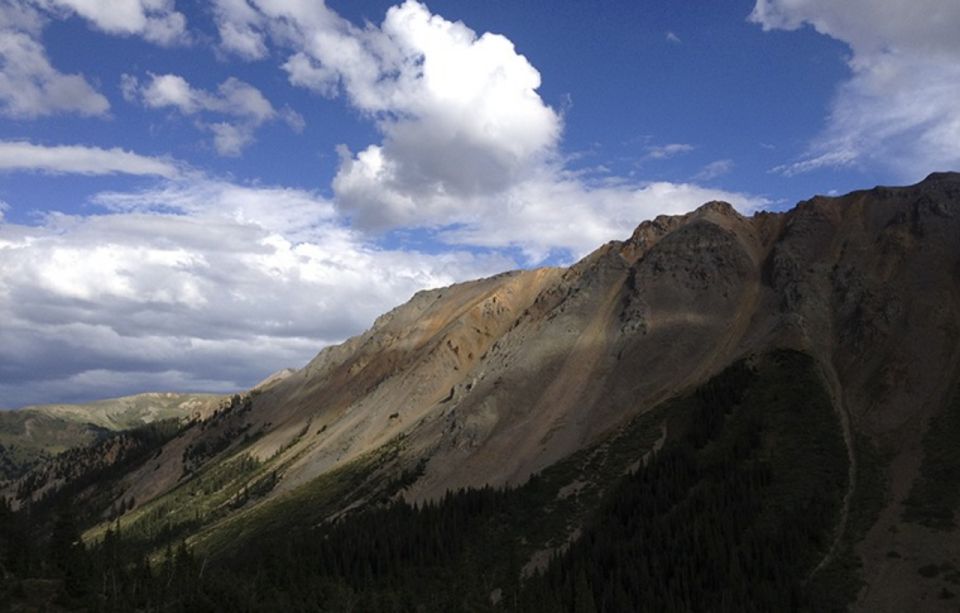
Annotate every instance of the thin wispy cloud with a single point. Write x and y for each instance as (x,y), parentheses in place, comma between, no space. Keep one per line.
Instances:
(714,169)
(663,152)
(244,104)
(898,110)
(79,159)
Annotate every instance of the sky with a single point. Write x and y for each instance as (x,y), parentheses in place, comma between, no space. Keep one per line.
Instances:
(196,194)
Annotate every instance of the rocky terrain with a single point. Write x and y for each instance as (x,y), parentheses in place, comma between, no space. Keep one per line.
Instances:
(490,382)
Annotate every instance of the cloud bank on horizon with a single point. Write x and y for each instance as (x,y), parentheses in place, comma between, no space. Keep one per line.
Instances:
(177,270)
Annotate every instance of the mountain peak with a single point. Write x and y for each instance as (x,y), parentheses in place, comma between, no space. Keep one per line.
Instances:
(942,177)
(717,206)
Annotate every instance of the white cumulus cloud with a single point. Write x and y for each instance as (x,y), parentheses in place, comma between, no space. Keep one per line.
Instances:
(899,108)
(459,112)
(241,29)
(154,20)
(469,149)
(29,85)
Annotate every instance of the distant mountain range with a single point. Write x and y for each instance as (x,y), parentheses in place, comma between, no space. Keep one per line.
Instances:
(718,413)
(36,433)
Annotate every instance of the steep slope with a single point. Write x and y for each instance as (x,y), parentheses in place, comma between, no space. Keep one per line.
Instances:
(493,381)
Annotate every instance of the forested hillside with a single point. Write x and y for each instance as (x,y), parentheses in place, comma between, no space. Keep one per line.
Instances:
(732,511)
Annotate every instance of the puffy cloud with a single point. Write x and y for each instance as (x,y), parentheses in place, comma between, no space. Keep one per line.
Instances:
(870,26)
(166,90)
(469,150)
(233,98)
(230,139)
(240,28)
(78,159)
(898,109)
(21,16)
(154,20)
(198,284)
(459,112)
(29,85)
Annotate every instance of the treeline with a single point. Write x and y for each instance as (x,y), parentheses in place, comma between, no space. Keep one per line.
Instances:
(40,546)
(395,558)
(716,521)
(42,570)
(80,467)
(230,429)
(731,515)
(935,495)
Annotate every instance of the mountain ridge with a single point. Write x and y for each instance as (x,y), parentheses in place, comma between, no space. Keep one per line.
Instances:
(494,381)
(34,433)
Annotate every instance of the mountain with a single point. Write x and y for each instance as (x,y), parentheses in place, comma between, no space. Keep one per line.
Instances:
(720,412)
(36,433)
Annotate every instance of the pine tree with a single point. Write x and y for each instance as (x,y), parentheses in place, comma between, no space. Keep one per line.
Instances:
(67,552)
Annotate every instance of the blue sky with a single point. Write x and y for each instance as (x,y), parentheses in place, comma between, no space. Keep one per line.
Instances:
(193,195)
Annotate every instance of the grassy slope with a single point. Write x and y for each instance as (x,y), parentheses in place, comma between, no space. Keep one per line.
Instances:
(127,412)
(207,508)
(27,438)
